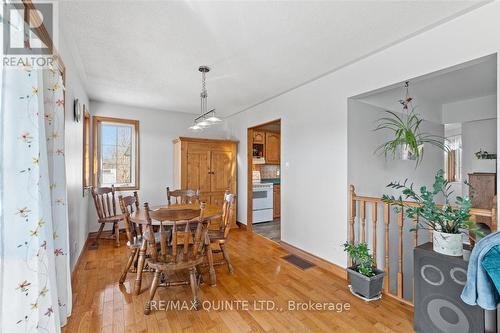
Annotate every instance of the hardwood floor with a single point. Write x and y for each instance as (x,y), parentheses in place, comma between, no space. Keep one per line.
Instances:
(270,230)
(101,305)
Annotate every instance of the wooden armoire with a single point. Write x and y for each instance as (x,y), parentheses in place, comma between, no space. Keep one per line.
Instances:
(208,165)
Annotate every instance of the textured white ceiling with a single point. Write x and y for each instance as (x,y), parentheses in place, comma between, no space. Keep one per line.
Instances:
(147,53)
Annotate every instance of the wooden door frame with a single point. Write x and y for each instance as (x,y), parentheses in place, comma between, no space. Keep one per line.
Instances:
(250,169)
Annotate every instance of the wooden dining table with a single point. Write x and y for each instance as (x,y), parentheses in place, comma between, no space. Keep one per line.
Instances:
(211,212)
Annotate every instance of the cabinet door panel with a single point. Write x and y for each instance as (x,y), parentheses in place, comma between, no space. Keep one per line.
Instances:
(198,171)
(217,199)
(272,148)
(259,137)
(222,170)
(205,198)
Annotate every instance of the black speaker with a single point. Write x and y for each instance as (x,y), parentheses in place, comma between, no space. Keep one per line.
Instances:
(439,281)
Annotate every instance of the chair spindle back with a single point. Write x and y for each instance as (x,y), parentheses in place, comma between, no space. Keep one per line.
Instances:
(182,196)
(227,212)
(188,230)
(128,205)
(104,200)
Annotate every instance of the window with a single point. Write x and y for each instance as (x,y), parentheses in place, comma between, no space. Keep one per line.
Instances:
(86,149)
(116,153)
(453,158)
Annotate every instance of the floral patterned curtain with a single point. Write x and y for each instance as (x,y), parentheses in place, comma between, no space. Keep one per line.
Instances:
(35,283)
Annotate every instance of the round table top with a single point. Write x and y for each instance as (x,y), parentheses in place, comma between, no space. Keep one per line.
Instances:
(211,212)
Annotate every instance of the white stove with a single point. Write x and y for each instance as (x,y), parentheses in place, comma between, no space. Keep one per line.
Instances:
(262,202)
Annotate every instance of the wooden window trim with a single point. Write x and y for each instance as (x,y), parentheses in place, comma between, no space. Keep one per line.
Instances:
(86,149)
(95,125)
(451,166)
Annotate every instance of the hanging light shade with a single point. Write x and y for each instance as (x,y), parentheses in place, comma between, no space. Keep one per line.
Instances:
(203,123)
(195,127)
(206,118)
(212,117)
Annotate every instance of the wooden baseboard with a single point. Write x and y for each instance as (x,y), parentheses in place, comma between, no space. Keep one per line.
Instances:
(241,225)
(73,272)
(329,266)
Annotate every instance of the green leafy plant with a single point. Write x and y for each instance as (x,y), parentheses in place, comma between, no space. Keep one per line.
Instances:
(406,130)
(432,216)
(361,258)
(407,134)
(484,155)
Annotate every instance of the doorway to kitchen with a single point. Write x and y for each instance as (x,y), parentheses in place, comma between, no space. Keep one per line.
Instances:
(264,180)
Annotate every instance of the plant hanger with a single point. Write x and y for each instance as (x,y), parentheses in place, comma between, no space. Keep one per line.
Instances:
(408,141)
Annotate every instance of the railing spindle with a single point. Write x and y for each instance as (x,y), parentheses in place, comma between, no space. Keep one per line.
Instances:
(387,219)
(400,250)
(374,236)
(362,214)
(415,221)
(377,239)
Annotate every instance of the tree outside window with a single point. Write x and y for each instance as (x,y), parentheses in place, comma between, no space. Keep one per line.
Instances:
(117,158)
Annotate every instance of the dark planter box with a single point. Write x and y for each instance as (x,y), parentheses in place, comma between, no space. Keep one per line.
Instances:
(368,287)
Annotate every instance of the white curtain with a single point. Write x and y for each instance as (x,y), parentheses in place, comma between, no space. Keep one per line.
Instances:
(35,284)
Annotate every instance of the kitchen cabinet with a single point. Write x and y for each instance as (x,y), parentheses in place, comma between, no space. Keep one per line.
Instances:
(272,148)
(276,201)
(207,165)
(259,137)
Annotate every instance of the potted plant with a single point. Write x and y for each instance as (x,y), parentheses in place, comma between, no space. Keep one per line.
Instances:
(408,140)
(447,222)
(366,280)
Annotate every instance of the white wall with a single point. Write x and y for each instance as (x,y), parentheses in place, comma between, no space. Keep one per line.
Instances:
(314,126)
(481,134)
(77,204)
(470,110)
(390,101)
(157,130)
(363,141)
(479,131)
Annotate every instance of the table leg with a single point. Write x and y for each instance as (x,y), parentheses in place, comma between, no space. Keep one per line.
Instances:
(210,257)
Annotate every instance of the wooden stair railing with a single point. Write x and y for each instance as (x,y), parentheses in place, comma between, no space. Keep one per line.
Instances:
(359,203)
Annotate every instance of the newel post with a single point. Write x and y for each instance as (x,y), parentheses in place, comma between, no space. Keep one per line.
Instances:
(352,215)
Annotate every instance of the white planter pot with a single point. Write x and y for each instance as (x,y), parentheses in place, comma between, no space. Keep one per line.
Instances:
(449,244)
(407,154)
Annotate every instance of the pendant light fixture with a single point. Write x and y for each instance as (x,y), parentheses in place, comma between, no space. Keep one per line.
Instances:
(206,118)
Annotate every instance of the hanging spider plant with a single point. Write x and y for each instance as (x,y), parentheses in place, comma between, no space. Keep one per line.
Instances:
(408,142)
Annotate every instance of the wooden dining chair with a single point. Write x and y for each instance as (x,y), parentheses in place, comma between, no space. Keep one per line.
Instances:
(128,205)
(220,235)
(182,196)
(105,205)
(185,251)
